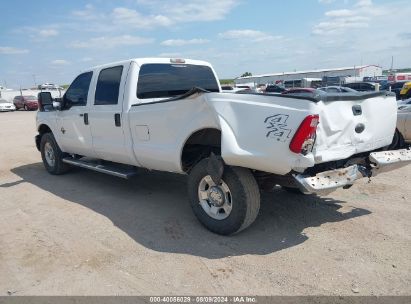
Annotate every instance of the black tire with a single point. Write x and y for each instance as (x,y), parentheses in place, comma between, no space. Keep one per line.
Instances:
(397,141)
(26,108)
(59,167)
(292,190)
(245,199)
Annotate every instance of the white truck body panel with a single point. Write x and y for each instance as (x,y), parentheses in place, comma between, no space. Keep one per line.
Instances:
(256,129)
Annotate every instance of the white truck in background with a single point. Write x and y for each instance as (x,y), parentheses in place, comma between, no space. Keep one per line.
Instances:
(170,115)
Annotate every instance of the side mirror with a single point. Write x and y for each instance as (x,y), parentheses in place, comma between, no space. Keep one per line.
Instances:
(45,101)
(45,98)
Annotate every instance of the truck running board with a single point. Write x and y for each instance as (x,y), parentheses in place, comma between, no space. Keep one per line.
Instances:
(112,169)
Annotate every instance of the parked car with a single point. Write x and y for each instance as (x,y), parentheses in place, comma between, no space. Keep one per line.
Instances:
(243,87)
(337,89)
(403,102)
(170,115)
(248,91)
(361,86)
(406,91)
(26,102)
(303,92)
(272,88)
(402,134)
(395,87)
(6,106)
(229,89)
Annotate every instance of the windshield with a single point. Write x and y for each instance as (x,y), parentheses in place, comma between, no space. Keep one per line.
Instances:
(168,80)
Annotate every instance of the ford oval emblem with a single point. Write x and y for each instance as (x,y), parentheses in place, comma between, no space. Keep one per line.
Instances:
(359,128)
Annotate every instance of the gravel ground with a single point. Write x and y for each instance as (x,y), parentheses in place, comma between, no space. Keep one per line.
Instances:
(86,233)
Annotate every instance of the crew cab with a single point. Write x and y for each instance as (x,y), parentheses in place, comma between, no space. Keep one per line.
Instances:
(170,115)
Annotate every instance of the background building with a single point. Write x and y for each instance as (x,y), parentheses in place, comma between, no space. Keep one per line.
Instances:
(352,74)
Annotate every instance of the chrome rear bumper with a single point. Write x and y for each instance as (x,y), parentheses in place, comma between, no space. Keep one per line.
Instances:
(328,181)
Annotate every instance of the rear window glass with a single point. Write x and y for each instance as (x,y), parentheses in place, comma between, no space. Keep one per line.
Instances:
(108,86)
(169,80)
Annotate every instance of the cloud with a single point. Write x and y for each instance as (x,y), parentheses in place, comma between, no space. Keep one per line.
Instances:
(8,50)
(130,17)
(111,42)
(170,55)
(363,3)
(182,42)
(326,1)
(48,33)
(340,13)
(182,11)
(405,36)
(340,24)
(152,14)
(248,35)
(60,62)
(338,21)
(88,13)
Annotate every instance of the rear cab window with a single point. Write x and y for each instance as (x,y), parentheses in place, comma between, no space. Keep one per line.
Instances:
(162,80)
(108,86)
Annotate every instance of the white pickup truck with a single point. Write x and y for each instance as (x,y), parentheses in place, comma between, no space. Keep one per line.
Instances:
(169,115)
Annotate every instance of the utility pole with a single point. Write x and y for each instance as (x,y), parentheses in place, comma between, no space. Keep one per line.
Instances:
(392,63)
(34,78)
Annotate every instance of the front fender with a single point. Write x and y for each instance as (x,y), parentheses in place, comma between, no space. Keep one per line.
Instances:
(47,120)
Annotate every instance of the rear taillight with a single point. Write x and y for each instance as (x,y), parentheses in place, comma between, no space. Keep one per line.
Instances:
(304,138)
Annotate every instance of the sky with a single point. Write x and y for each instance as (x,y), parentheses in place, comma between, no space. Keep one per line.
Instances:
(53,41)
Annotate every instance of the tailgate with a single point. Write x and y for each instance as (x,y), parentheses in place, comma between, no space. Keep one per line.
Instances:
(354,124)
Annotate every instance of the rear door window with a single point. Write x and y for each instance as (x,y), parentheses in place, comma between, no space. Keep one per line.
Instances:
(108,86)
(159,80)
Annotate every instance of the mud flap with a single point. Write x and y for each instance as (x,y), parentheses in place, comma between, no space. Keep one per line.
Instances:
(215,168)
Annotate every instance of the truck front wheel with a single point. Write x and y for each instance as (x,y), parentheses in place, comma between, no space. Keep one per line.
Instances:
(52,155)
(227,207)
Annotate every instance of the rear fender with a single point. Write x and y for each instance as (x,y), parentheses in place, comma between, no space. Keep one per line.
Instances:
(257,135)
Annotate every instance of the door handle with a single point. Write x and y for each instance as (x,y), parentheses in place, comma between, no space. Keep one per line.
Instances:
(117,120)
(85,118)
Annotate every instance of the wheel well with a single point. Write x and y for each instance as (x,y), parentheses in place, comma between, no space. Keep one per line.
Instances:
(199,145)
(44,129)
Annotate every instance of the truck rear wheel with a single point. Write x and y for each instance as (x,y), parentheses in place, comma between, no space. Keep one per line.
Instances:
(397,141)
(292,190)
(52,156)
(227,207)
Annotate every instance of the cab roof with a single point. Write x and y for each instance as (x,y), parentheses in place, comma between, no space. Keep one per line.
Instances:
(141,61)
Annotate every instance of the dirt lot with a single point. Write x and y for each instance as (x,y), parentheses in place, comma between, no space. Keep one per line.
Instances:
(86,233)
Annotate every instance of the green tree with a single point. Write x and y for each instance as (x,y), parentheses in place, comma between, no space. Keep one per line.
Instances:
(246,74)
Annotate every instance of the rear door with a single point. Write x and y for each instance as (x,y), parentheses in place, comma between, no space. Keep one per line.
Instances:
(106,114)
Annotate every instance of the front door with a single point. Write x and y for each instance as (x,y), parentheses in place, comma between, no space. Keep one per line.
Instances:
(74,135)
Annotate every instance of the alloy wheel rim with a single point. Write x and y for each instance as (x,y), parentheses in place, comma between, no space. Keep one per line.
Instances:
(216,200)
(49,154)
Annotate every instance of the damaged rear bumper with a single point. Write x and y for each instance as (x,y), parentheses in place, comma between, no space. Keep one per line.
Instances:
(328,181)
